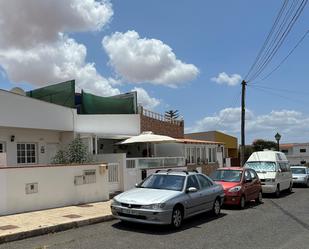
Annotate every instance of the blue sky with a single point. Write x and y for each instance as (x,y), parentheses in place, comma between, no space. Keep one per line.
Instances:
(197,39)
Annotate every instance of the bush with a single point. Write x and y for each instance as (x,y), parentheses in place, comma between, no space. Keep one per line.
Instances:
(76,152)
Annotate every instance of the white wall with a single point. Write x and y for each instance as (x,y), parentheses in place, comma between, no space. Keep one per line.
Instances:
(122,124)
(38,136)
(25,112)
(169,150)
(56,187)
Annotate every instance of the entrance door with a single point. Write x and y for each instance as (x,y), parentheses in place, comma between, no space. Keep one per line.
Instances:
(114,177)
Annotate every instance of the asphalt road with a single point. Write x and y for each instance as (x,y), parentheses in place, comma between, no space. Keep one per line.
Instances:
(277,223)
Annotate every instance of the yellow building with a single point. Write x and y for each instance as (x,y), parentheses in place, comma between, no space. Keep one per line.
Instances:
(230,142)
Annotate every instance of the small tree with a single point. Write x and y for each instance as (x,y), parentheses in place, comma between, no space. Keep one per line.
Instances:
(76,152)
(171,114)
(260,145)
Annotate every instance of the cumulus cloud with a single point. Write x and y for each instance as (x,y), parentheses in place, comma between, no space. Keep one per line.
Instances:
(144,99)
(34,49)
(25,24)
(230,80)
(141,60)
(292,125)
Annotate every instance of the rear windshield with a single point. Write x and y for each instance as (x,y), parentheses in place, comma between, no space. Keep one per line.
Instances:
(169,182)
(226,175)
(262,166)
(298,171)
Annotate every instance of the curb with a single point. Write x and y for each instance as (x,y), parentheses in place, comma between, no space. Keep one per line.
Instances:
(54,228)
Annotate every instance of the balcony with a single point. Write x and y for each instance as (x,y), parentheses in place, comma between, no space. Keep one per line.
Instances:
(155,162)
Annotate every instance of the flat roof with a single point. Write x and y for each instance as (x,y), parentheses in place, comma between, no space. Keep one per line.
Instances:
(196,141)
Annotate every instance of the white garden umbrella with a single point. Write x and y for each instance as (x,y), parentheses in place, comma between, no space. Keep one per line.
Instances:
(149,137)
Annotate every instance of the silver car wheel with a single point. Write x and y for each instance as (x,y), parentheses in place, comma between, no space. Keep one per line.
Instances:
(177,218)
(217,207)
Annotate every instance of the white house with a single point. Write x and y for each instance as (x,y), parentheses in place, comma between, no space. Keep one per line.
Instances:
(296,153)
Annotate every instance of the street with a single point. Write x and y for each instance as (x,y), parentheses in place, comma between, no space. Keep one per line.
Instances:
(277,223)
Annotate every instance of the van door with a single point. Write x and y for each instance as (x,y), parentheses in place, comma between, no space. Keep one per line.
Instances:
(284,175)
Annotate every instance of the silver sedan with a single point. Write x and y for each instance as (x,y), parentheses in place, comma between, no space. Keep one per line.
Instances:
(300,175)
(168,197)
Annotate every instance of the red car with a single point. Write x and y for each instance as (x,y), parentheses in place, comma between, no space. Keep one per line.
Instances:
(241,185)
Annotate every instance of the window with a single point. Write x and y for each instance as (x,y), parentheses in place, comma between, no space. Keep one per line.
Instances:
(2,147)
(193,155)
(248,176)
(253,174)
(26,153)
(192,182)
(210,154)
(198,155)
(188,155)
(205,183)
(204,157)
(302,150)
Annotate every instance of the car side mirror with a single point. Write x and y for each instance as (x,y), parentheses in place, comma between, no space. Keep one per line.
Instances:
(279,170)
(248,180)
(137,185)
(191,190)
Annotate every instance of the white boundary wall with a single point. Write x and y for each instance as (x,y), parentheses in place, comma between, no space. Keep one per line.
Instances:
(56,187)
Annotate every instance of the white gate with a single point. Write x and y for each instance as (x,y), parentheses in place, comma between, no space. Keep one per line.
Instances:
(114,177)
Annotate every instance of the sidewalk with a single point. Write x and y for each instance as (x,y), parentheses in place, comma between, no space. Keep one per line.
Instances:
(20,226)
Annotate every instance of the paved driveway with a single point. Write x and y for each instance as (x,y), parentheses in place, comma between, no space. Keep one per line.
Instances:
(278,223)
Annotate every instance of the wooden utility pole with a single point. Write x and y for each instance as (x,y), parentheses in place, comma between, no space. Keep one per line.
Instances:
(243,115)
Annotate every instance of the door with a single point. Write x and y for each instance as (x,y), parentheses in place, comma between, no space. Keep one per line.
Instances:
(194,201)
(114,177)
(248,185)
(208,192)
(51,151)
(256,184)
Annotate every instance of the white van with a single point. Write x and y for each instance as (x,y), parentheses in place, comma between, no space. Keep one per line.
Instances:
(273,170)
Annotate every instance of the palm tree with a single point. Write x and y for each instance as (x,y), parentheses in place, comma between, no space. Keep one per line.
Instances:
(171,114)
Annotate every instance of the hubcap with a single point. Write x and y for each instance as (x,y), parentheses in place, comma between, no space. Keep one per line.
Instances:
(217,207)
(177,218)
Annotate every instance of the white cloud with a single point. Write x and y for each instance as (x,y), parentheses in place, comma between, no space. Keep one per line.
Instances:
(52,63)
(142,60)
(230,80)
(145,100)
(34,49)
(25,24)
(292,125)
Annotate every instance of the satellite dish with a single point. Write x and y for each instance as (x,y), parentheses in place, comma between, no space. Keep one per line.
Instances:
(18,90)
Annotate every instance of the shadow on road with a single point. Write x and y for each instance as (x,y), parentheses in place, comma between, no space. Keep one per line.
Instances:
(192,222)
(282,195)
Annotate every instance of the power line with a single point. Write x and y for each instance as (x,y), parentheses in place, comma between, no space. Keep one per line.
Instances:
(286,57)
(281,40)
(280,89)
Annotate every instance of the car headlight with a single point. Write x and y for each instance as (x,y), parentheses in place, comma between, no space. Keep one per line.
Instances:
(269,180)
(154,206)
(115,203)
(234,189)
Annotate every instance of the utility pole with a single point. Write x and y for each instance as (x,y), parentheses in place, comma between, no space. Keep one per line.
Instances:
(243,114)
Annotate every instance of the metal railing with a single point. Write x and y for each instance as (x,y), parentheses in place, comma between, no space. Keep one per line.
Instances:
(158,116)
(155,162)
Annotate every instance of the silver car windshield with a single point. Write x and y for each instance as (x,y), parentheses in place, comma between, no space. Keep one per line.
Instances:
(299,171)
(262,166)
(169,182)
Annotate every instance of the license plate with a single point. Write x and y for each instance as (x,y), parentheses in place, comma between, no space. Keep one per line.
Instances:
(129,211)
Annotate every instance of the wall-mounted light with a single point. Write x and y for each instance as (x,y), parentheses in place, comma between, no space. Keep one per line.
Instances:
(12,138)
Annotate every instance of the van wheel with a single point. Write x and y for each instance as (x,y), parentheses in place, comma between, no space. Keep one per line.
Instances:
(242,203)
(259,199)
(277,193)
(290,189)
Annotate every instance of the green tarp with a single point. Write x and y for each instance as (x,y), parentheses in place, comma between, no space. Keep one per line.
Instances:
(60,94)
(120,104)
